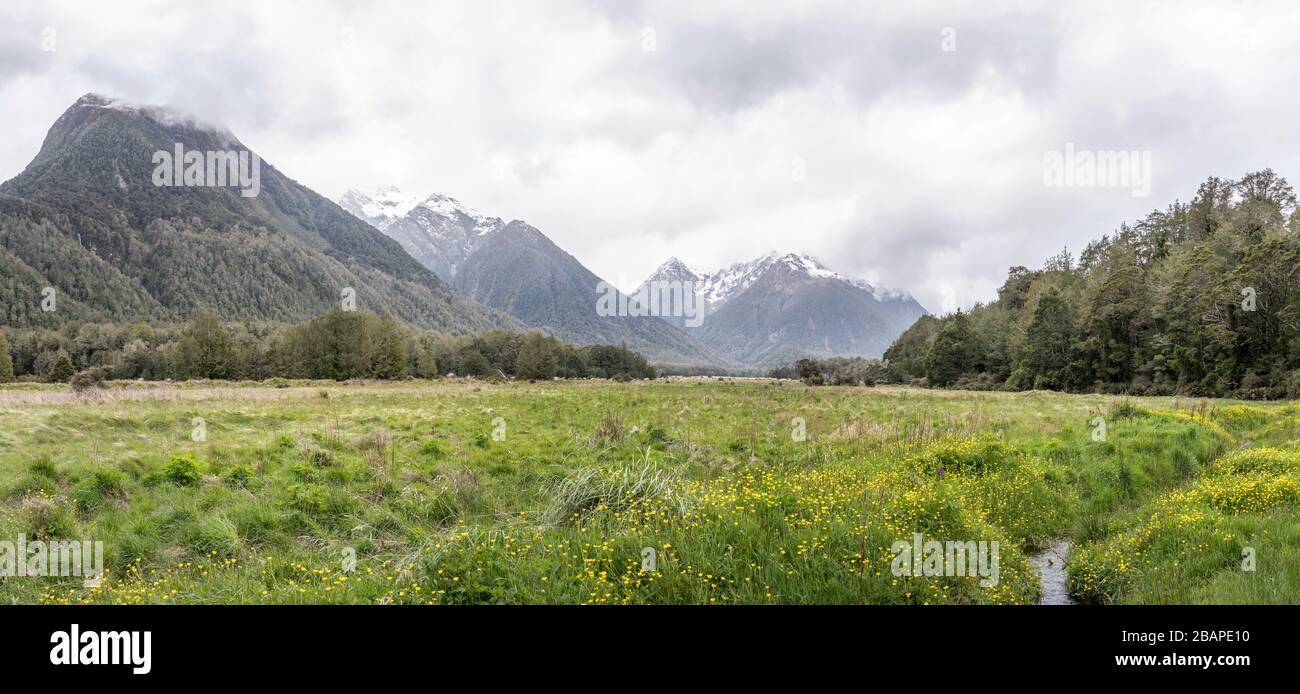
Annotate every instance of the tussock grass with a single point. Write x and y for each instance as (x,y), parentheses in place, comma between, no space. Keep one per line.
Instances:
(592,490)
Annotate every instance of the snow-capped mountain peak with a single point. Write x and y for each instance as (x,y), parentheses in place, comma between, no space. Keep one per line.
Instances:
(809,266)
(437,230)
(722,285)
(812,267)
(379,207)
(675,269)
(725,283)
(718,286)
(452,208)
(780,306)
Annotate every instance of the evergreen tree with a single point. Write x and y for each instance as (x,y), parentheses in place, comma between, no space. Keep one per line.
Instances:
(906,356)
(347,354)
(473,363)
(952,353)
(388,350)
(423,353)
(1118,309)
(1048,341)
(6,361)
(206,349)
(536,360)
(809,372)
(61,370)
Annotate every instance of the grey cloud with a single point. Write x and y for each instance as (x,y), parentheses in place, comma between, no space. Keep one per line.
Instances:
(723,64)
(21,51)
(619,153)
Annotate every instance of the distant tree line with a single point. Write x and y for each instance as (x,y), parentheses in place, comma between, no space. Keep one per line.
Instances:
(837,371)
(1201,298)
(339,345)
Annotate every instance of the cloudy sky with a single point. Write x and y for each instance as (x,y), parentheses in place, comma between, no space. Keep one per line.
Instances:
(900,142)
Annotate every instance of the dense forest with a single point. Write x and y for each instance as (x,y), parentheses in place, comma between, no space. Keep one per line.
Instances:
(339,345)
(1201,298)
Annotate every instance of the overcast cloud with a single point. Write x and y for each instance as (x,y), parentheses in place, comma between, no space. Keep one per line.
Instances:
(713,131)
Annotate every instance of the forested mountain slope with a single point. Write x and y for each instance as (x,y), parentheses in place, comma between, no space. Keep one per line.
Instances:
(87,220)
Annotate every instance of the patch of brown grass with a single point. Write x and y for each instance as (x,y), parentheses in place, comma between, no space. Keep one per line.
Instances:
(855,428)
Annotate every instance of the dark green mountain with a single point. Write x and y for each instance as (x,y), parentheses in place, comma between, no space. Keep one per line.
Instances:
(86,219)
(520,271)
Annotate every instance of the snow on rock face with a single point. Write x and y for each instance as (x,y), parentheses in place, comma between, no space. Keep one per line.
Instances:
(447,206)
(809,266)
(729,281)
(451,208)
(380,207)
(717,287)
(437,230)
(441,232)
(720,286)
(674,269)
(388,204)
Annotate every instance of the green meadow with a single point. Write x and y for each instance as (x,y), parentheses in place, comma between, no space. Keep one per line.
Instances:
(694,491)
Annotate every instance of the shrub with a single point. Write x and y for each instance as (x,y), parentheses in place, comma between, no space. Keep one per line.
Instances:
(62,370)
(809,372)
(238,476)
(183,471)
(837,371)
(87,379)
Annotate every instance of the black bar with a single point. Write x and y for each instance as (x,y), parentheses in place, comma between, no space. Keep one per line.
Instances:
(952,643)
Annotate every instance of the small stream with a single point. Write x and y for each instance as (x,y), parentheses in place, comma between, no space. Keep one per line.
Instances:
(1050,563)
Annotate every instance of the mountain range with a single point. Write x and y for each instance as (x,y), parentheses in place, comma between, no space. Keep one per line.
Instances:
(780,307)
(90,231)
(513,267)
(757,313)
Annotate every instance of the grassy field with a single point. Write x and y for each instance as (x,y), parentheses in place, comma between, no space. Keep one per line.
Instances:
(746,491)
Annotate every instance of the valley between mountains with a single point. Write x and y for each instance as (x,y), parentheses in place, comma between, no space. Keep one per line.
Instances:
(86,218)
(759,313)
